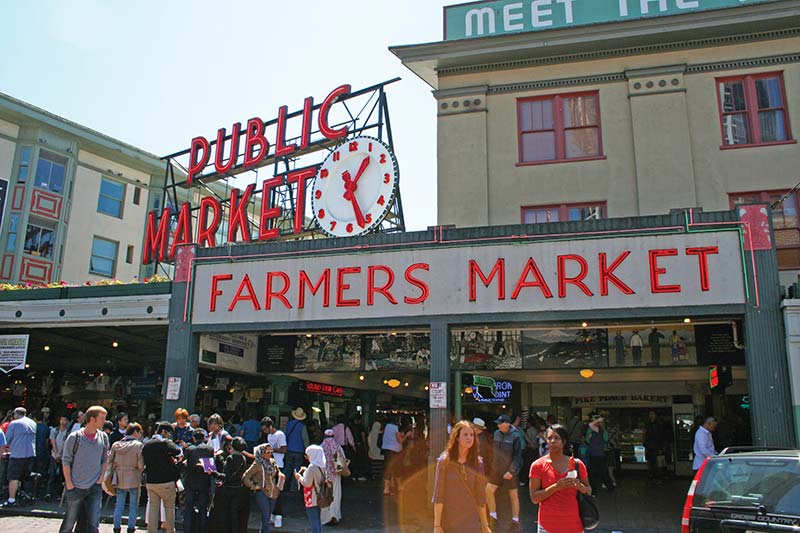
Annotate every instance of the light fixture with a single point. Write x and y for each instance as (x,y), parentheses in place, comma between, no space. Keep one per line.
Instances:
(361,377)
(405,384)
(393,334)
(27,366)
(385,381)
(316,409)
(584,325)
(231,390)
(504,406)
(468,390)
(586,373)
(115,344)
(426,387)
(308,335)
(46,348)
(687,320)
(393,383)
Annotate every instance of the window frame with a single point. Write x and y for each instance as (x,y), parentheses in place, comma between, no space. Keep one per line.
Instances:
(43,155)
(751,110)
(114,260)
(563,210)
(41,228)
(764,197)
(25,163)
(559,129)
(121,200)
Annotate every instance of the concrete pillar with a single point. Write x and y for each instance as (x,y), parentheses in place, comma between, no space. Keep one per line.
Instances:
(182,355)
(791,320)
(440,371)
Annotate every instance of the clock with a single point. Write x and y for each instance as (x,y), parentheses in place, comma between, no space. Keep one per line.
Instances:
(354,187)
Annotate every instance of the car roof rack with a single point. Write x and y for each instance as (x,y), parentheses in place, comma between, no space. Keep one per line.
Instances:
(741,449)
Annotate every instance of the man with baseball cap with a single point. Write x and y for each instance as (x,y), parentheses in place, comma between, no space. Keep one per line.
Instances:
(506,464)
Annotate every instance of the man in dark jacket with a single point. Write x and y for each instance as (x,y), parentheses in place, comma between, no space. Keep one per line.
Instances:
(160,456)
(197,482)
(653,445)
(119,433)
(506,464)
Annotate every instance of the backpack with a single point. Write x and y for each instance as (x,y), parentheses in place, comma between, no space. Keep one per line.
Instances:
(324,491)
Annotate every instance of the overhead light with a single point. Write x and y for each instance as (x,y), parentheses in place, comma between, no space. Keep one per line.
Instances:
(584,325)
(426,387)
(308,335)
(46,348)
(231,390)
(361,377)
(393,383)
(385,381)
(687,320)
(586,373)
(27,366)
(115,344)
(468,390)
(405,384)
(393,334)
(316,409)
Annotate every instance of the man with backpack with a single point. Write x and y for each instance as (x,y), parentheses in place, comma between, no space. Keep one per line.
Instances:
(160,467)
(84,464)
(197,482)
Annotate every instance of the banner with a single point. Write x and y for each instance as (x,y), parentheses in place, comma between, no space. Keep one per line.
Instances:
(235,352)
(13,352)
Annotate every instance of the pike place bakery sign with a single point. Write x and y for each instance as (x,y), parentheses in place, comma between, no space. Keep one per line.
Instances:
(618,273)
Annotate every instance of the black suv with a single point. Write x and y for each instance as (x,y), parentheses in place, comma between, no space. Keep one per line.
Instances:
(745,491)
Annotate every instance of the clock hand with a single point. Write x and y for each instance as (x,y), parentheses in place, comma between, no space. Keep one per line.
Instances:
(349,194)
(361,169)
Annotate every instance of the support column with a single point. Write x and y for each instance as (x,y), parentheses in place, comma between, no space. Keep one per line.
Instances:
(458,388)
(791,317)
(440,371)
(182,355)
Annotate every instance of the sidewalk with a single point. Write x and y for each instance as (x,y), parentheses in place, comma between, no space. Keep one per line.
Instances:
(636,507)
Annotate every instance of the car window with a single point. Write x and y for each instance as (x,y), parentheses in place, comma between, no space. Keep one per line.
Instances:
(750,482)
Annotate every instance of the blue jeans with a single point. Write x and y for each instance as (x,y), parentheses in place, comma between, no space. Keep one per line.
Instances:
(292,461)
(266,506)
(195,499)
(133,502)
(314,519)
(91,498)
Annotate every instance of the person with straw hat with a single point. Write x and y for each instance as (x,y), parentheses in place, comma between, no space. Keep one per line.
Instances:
(296,443)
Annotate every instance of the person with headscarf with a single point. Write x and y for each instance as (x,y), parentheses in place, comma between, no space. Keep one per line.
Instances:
(311,478)
(265,478)
(333,515)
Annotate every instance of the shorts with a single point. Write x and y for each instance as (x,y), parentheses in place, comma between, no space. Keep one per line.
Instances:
(19,468)
(507,484)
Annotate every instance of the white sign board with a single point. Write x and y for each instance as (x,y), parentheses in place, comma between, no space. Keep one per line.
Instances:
(13,352)
(438,394)
(694,269)
(173,388)
(229,351)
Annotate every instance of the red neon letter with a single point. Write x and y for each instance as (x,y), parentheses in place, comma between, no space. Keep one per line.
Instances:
(313,288)
(207,233)
(234,156)
(563,280)
(305,135)
(281,149)
(183,231)
(372,289)
(324,128)
(241,295)
(341,286)
(268,213)
(656,271)
(238,214)
(215,279)
(538,280)
(702,256)
(155,240)
(498,270)
(300,176)
(424,289)
(607,274)
(254,136)
(280,295)
(197,164)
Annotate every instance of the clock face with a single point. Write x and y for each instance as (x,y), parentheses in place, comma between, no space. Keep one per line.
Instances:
(354,187)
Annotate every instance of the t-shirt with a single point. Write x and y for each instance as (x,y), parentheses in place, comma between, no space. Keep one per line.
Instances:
(21,438)
(390,441)
(277,440)
(558,513)
(58,436)
(85,456)
(251,429)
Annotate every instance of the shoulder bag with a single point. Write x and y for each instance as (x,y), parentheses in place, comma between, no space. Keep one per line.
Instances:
(588,510)
(324,491)
(341,463)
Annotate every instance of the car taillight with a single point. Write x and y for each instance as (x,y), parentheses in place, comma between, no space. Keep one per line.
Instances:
(687,506)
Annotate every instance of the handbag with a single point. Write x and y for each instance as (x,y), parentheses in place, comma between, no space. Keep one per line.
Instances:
(108,482)
(588,511)
(341,464)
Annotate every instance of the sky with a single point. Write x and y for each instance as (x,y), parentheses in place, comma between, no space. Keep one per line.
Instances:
(155,74)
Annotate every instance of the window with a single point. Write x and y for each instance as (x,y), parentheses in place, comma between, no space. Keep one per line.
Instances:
(24,162)
(111,195)
(563,213)
(129,255)
(785,222)
(11,243)
(753,110)
(559,128)
(39,241)
(137,195)
(104,257)
(50,171)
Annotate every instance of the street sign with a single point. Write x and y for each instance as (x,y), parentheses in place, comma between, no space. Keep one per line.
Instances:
(438,394)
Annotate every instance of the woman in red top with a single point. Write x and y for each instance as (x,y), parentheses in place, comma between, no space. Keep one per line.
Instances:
(556,480)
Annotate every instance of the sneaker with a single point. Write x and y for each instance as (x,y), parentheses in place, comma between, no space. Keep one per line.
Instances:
(11,504)
(278,521)
(492,522)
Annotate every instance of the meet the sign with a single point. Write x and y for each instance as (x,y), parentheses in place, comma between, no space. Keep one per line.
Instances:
(609,273)
(13,352)
(498,17)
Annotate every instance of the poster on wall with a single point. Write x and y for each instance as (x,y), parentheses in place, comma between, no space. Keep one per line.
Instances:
(486,349)
(276,353)
(13,352)
(402,351)
(565,348)
(236,352)
(654,346)
(327,353)
(716,344)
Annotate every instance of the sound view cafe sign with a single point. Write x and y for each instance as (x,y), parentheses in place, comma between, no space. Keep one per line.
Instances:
(687,269)
(351,193)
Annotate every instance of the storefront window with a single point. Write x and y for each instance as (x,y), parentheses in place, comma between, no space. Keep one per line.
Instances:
(39,241)
(50,172)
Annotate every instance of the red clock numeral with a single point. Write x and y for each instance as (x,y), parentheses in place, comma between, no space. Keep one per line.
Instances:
(336,155)
(323,173)
(381,200)
(318,193)
(368,218)
(349,228)
(370,147)
(383,159)
(387,178)
(333,225)
(354,146)
(321,214)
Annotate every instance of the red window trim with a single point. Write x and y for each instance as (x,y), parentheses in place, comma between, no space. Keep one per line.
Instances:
(563,209)
(765,198)
(752,109)
(558,128)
